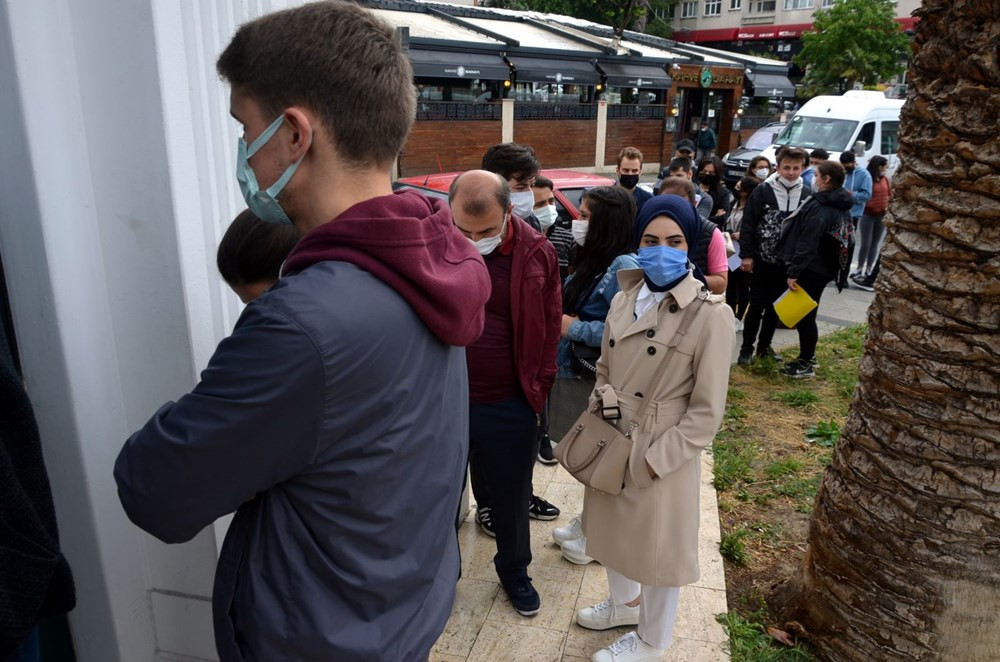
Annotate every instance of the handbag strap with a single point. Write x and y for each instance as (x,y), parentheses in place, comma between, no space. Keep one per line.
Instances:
(682,330)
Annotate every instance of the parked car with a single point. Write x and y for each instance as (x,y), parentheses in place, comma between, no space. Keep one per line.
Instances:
(735,163)
(569,187)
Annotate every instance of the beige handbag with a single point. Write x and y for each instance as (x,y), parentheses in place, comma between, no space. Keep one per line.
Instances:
(595,451)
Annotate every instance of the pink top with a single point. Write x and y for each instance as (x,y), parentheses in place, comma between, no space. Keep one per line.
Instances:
(718,263)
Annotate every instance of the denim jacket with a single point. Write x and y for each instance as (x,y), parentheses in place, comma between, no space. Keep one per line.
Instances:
(589,329)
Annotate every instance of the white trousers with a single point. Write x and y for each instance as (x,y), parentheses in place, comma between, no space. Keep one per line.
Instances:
(657,608)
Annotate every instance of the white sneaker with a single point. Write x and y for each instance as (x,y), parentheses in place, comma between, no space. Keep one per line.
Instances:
(575,551)
(629,648)
(606,615)
(563,534)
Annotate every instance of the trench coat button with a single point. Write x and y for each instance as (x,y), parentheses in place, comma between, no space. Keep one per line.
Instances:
(651,350)
(611,343)
(650,333)
(638,394)
(673,308)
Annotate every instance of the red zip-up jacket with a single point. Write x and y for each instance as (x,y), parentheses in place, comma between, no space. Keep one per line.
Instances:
(536,308)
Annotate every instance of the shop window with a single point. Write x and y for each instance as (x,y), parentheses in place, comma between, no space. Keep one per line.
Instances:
(713,7)
(689,10)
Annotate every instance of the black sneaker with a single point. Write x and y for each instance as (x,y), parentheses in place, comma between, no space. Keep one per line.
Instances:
(799,369)
(484,517)
(545,451)
(768,353)
(539,508)
(746,356)
(867,283)
(523,597)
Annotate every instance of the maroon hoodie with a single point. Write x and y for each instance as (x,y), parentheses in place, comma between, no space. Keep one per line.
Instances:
(408,241)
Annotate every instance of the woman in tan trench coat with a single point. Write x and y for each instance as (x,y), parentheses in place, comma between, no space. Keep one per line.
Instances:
(647,535)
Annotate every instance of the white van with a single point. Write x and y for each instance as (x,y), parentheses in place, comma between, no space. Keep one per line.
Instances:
(862,120)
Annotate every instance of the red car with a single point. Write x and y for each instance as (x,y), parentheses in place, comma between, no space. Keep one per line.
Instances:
(569,187)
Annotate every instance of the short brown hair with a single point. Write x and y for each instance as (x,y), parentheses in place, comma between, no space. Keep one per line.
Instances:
(834,171)
(340,61)
(629,153)
(679,186)
(791,154)
(511,161)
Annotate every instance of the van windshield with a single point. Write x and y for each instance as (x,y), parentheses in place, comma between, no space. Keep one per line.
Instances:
(831,134)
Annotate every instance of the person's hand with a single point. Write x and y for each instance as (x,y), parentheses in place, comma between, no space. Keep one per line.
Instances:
(567,320)
(746,264)
(652,474)
(793,284)
(735,236)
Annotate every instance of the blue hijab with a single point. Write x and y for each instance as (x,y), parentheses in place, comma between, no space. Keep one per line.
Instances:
(683,213)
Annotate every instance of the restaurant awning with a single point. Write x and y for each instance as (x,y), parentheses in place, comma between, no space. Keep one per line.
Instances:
(771,85)
(634,75)
(446,64)
(544,70)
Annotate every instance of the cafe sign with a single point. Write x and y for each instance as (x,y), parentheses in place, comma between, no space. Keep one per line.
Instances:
(706,74)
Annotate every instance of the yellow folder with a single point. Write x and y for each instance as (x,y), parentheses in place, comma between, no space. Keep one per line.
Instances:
(792,306)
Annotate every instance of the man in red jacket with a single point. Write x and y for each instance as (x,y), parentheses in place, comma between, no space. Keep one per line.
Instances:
(511,366)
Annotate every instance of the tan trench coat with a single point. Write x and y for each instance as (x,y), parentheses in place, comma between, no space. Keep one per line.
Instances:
(649,531)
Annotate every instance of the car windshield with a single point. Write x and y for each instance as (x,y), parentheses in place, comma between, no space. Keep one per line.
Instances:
(762,138)
(811,132)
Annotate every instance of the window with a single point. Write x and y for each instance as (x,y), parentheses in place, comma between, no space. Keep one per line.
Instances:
(890,138)
(689,9)
(867,136)
(735,5)
(827,4)
(765,6)
(799,4)
(665,14)
(812,132)
(713,7)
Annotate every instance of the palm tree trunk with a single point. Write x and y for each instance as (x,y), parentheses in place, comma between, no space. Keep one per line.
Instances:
(904,543)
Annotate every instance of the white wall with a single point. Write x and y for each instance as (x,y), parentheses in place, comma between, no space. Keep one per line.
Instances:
(116,182)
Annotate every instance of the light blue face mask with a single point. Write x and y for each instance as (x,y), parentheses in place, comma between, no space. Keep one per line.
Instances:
(663,265)
(263,204)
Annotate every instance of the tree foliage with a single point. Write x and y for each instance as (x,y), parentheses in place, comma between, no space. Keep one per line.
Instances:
(853,41)
(620,15)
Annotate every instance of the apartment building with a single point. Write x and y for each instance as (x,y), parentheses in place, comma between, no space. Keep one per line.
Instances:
(763,27)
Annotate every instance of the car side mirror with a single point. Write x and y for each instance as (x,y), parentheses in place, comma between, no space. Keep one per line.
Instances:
(859,148)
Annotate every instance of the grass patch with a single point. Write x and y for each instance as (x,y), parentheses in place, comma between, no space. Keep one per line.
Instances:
(798,398)
(732,547)
(767,473)
(750,642)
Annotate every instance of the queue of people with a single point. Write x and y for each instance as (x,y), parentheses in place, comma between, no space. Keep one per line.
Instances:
(393,345)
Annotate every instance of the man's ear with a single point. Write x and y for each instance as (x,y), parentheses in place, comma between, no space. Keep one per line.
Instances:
(301,125)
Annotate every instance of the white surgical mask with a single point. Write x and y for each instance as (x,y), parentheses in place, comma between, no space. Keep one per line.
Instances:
(546,216)
(789,182)
(487,245)
(762,172)
(579,231)
(524,202)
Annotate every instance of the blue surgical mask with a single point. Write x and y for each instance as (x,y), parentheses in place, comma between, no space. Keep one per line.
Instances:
(663,265)
(263,204)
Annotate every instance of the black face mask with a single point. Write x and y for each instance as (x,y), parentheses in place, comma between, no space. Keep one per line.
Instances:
(628,181)
(709,180)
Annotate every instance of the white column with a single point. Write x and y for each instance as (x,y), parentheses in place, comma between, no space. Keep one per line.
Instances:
(507,121)
(602,135)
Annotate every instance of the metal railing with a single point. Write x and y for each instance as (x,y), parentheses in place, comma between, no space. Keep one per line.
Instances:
(554,111)
(457,110)
(633,112)
(748,122)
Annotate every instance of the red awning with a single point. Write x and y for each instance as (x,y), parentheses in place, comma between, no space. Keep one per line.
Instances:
(757,32)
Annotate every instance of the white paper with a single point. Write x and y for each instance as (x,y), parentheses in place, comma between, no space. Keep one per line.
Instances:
(734,259)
